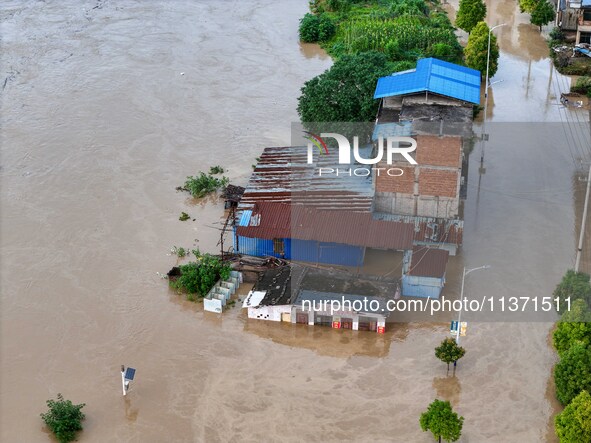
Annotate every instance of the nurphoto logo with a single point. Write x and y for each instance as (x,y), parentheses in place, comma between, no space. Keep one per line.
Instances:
(394,145)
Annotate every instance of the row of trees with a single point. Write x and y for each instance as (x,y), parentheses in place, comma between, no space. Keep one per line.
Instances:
(572,374)
(440,419)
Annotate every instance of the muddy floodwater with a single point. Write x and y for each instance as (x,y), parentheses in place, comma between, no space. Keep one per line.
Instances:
(108,105)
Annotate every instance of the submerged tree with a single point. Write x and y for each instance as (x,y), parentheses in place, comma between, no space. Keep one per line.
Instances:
(470,13)
(442,421)
(449,351)
(63,418)
(477,49)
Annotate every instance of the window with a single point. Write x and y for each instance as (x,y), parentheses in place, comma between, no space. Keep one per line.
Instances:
(587,15)
(278,246)
(585,37)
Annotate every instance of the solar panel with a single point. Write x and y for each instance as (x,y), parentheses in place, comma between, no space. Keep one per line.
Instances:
(129,373)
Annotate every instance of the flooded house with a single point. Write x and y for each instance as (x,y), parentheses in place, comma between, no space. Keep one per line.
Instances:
(279,296)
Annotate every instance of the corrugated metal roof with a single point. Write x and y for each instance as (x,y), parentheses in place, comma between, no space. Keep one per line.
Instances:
(283,175)
(435,76)
(278,220)
(428,262)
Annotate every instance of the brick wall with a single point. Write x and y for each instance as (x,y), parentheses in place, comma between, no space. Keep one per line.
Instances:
(403,184)
(439,151)
(438,182)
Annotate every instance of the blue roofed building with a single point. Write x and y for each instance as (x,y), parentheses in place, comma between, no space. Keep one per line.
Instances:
(433,76)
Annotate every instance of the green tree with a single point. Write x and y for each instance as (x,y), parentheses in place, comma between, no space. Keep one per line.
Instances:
(477,49)
(574,327)
(542,14)
(470,13)
(574,285)
(572,374)
(449,351)
(63,418)
(527,5)
(573,425)
(442,421)
(344,93)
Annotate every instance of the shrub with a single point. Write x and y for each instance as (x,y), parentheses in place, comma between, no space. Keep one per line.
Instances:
(316,28)
(573,328)
(573,373)
(582,85)
(200,276)
(63,418)
(574,285)
(573,425)
(202,184)
(184,216)
(557,35)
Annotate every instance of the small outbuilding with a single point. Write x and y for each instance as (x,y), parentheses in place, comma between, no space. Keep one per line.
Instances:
(424,276)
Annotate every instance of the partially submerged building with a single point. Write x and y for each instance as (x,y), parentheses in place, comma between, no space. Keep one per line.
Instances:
(432,103)
(424,272)
(290,210)
(277,296)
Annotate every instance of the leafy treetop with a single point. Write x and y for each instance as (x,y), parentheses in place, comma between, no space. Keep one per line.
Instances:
(477,49)
(572,374)
(470,13)
(449,351)
(574,327)
(573,424)
(442,421)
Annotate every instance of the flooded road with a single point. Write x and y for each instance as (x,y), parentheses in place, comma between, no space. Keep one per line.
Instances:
(108,106)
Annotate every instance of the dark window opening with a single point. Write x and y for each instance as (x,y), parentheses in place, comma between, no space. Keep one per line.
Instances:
(278,246)
(324,320)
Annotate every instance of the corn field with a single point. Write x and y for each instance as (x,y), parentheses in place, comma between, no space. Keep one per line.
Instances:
(412,33)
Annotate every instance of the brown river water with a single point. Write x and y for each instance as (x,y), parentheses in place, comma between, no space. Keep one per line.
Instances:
(108,105)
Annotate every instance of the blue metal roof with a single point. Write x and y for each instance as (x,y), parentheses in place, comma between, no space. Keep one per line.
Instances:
(586,3)
(436,76)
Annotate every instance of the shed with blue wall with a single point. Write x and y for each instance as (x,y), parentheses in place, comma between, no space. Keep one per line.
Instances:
(424,274)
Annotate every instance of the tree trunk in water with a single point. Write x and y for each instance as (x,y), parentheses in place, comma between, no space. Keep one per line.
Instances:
(440,439)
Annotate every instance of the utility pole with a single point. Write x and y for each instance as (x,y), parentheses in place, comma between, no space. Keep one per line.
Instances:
(584,220)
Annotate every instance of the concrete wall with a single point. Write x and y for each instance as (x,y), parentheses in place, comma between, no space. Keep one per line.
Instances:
(272,313)
(405,204)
